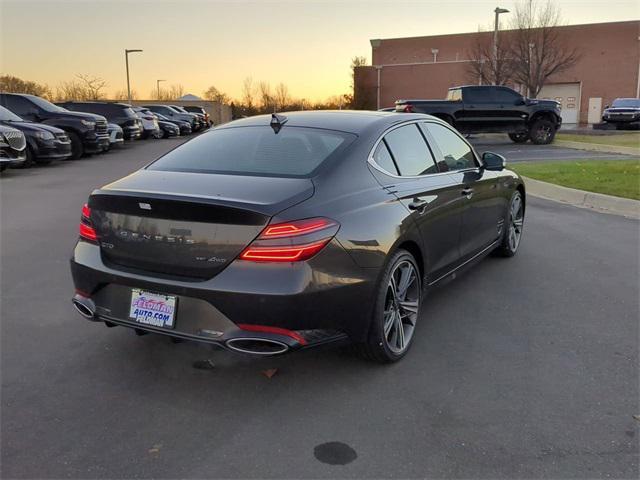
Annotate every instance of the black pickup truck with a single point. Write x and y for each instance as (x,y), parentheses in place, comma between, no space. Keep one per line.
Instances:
(493,109)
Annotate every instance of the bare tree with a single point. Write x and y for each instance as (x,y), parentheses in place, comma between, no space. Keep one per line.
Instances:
(122,95)
(267,103)
(212,93)
(358,98)
(9,83)
(248,94)
(175,92)
(92,87)
(537,48)
(483,68)
(282,98)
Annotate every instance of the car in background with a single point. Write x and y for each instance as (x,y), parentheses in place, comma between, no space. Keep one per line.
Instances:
(623,113)
(44,142)
(199,110)
(150,127)
(13,146)
(87,132)
(201,122)
(173,114)
(183,125)
(492,109)
(116,137)
(168,129)
(276,233)
(119,113)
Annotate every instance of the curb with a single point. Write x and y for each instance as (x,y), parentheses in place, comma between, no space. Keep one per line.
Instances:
(580,198)
(595,147)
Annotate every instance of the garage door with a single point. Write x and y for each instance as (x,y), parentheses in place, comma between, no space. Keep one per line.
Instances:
(568,94)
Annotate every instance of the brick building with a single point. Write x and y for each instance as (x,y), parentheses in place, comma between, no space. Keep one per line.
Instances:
(425,67)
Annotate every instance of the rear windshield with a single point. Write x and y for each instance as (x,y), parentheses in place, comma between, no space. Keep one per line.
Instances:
(293,152)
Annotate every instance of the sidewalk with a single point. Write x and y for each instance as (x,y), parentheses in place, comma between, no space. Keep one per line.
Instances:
(581,198)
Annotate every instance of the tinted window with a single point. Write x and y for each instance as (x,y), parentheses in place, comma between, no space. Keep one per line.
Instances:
(477,94)
(410,151)
(18,105)
(384,160)
(457,155)
(626,102)
(294,152)
(45,104)
(8,116)
(504,95)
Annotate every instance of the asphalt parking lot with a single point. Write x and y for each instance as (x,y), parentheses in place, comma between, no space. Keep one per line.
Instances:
(520,368)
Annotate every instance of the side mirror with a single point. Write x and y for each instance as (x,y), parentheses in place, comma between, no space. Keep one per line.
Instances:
(607,106)
(521,101)
(493,161)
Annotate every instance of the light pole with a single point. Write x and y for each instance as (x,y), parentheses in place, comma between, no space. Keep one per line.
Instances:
(497,11)
(158,87)
(126,59)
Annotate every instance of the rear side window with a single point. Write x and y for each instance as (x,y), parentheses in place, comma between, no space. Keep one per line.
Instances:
(457,155)
(293,152)
(383,159)
(477,95)
(410,151)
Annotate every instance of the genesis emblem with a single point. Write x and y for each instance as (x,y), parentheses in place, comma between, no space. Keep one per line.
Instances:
(144,206)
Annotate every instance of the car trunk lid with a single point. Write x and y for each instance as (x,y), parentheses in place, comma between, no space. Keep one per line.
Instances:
(187,224)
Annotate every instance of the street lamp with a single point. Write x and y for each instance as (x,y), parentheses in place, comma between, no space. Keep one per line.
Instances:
(497,11)
(126,59)
(158,87)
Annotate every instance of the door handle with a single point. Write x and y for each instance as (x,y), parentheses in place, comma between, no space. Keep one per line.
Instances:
(418,205)
(467,192)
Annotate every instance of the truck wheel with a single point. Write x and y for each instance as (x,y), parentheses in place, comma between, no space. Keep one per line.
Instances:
(520,137)
(542,132)
(77,150)
(3,167)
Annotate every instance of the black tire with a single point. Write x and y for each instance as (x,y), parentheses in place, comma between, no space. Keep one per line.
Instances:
(512,220)
(28,163)
(380,345)
(3,167)
(542,132)
(520,137)
(77,149)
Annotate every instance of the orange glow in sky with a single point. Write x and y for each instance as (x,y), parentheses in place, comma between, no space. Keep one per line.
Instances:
(307,45)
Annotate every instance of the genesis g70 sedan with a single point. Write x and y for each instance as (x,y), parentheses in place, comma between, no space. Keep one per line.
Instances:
(274,233)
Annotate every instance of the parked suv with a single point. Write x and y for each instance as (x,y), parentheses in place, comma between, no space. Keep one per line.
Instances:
(200,120)
(173,114)
(44,142)
(150,127)
(13,147)
(485,109)
(118,113)
(201,111)
(87,132)
(623,112)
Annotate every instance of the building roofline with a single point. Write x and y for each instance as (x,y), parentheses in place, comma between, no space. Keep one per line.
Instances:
(509,30)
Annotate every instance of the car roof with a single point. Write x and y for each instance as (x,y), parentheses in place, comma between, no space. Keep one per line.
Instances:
(351,121)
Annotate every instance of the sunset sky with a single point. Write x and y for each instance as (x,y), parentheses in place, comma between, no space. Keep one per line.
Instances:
(305,44)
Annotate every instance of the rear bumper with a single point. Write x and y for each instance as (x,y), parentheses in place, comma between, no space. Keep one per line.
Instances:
(299,297)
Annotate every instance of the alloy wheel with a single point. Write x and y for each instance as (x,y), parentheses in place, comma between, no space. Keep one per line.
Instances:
(402,303)
(516,222)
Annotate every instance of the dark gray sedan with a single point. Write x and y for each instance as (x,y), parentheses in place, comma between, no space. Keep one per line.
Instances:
(275,233)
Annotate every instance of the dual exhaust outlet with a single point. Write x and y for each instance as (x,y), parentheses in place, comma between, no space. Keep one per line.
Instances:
(248,344)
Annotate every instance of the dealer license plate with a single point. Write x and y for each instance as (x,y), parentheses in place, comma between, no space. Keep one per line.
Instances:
(154,309)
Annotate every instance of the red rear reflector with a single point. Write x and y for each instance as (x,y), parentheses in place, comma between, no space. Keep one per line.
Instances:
(88,233)
(293,253)
(277,330)
(299,227)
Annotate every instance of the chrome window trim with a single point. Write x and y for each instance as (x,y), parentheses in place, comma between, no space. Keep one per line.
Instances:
(373,163)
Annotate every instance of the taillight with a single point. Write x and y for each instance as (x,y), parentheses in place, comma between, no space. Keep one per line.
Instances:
(408,109)
(87,232)
(295,241)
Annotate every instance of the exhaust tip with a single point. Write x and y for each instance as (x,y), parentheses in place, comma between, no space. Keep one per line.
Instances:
(84,306)
(257,346)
